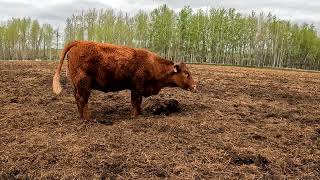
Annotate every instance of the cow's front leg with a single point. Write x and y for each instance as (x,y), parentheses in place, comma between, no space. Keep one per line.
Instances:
(136,100)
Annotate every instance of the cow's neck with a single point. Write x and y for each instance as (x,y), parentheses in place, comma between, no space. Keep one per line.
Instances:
(166,71)
(164,76)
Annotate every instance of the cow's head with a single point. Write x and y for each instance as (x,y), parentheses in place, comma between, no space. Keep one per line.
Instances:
(182,77)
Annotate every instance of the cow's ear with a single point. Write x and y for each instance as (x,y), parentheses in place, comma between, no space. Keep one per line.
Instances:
(176,68)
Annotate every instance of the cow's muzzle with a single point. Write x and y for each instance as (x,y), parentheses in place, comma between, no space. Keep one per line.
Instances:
(193,88)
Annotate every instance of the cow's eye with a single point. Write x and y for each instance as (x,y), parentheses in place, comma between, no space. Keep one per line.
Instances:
(186,74)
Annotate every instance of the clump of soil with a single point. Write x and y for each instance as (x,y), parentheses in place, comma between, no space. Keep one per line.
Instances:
(247,159)
(163,107)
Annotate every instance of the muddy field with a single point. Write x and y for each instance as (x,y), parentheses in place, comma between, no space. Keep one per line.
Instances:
(242,123)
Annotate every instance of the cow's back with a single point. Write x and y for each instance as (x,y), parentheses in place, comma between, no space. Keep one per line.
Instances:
(110,67)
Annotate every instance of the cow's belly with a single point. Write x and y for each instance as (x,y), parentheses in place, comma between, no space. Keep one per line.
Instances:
(111,86)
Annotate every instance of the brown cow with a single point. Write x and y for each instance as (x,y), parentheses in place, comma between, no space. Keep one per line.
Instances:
(109,68)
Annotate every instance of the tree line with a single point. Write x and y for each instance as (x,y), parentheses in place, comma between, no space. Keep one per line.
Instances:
(222,36)
(26,39)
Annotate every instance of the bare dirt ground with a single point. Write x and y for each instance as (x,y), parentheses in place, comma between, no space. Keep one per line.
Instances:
(242,123)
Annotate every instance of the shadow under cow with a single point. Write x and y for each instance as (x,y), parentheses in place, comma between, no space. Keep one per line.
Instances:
(151,107)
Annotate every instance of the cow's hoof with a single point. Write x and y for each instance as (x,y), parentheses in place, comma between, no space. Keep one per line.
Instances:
(135,116)
(89,120)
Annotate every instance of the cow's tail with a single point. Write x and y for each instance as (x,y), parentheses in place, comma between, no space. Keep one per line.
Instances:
(56,86)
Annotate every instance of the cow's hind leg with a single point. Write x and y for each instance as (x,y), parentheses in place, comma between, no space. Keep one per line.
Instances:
(136,100)
(82,94)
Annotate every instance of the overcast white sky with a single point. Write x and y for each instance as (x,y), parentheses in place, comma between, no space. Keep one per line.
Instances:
(55,12)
